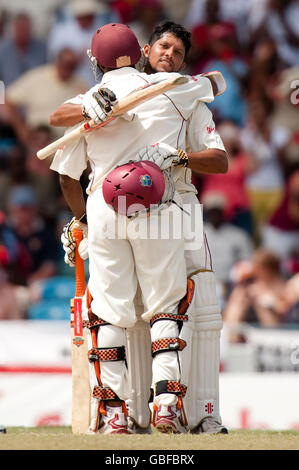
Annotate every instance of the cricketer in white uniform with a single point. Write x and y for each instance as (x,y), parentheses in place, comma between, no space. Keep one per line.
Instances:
(117,264)
(166,50)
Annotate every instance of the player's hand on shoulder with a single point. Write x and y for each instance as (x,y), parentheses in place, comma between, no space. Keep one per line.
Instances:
(164,155)
(69,244)
(97,105)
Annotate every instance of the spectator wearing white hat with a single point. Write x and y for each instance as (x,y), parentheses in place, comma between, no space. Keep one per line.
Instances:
(76,31)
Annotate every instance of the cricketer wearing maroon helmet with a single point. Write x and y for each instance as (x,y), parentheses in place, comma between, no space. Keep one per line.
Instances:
(165,410)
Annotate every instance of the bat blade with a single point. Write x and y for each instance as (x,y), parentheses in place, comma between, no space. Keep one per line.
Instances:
(149,91)
(80,365)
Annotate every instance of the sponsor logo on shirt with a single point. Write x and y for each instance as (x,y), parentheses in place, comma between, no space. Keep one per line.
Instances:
(210,129)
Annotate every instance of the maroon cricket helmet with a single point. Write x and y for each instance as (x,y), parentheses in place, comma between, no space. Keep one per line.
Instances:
(114,45)
(140,184)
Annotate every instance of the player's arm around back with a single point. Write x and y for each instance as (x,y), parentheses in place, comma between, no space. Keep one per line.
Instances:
(205,149)
(95,104)
(66,115)
(208,161)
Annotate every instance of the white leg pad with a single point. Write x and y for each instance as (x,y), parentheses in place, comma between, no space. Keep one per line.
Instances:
(94,403)
(140,372)
(113,374)
(139,360)
(200,360)
(166,365)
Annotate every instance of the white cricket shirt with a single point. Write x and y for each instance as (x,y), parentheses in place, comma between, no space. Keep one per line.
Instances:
(161,119)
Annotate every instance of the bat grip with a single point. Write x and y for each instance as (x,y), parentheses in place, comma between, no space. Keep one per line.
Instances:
(79,264)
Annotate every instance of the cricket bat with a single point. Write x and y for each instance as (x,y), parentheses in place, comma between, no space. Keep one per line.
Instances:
(80,364)
(149,91)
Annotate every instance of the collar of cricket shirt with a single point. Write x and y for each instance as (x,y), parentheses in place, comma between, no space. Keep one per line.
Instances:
(120,72)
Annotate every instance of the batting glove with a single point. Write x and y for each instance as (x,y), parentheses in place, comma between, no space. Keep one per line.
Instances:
(163,155)
(69,243)
(97,105)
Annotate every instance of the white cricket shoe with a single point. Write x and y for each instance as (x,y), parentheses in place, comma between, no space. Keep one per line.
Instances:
(168,419)
(114,421)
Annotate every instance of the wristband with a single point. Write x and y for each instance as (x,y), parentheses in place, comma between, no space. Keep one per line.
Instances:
(85,114)
(183,158)
(83,219)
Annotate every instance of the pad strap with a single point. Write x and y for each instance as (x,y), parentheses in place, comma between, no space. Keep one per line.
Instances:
(104,393)
(107,354)
(167,344)
(168,316)
(170,386)
(94,323)
(186,301)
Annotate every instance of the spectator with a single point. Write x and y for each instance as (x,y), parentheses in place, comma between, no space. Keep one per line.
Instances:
(3,21)
(22,51)
(14,298)
(75,33)
(42,13)
(8,138)
(32,234)
(148,13)
(232,185)
(18,173)
(39,91)
(290,304)
(281,233)
(257,298)
(176,10)
(124,9)
(225,58)
(223,11)
(265,184)
(285,117)
(264,69)
(40,137)
(228,244)
(280,22)
(216,47)
(205,31)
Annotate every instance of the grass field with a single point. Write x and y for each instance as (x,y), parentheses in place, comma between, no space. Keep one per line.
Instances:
(61,438)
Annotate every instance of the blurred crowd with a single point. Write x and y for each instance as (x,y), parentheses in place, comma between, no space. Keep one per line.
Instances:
(251,214)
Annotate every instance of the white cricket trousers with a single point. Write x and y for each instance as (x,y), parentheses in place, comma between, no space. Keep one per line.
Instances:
(124,252)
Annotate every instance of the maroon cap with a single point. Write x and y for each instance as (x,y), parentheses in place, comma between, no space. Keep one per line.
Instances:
(134,186)
(115,45)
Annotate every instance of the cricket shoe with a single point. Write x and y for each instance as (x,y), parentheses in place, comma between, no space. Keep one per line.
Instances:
(168,419)
(210,425)
(113,421)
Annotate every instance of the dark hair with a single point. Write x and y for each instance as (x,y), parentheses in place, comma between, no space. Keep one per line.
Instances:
(172,28)
(268,259)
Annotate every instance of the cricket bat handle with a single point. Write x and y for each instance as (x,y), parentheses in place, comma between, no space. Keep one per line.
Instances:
(79,264)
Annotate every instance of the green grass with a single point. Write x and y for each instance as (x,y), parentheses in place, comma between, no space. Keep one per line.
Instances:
(61,438)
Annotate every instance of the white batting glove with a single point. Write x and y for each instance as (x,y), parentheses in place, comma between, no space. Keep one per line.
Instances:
(163,155)
(97,105)
(69,244)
